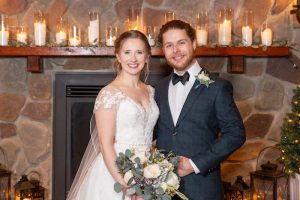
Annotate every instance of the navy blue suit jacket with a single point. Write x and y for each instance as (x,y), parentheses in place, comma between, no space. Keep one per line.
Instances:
(208,130)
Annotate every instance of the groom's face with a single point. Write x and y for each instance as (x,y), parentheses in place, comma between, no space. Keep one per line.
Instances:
(178,49)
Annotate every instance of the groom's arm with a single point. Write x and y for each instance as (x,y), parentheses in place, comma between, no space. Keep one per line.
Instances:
(232,131)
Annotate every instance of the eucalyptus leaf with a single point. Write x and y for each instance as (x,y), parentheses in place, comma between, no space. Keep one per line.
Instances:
(166,197)
(117,187)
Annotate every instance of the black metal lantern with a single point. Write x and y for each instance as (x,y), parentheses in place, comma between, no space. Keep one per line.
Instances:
(238,191)
(269,183)
(296,11)
(5,177)
(29,189)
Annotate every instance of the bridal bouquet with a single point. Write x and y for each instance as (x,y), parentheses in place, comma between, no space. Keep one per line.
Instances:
(151,175)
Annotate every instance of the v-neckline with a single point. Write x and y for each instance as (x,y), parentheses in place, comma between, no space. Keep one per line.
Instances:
(147,110)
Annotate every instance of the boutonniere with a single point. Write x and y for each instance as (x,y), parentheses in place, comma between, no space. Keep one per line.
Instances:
(203,78)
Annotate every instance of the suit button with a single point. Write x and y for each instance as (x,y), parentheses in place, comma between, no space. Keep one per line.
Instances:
(174,133)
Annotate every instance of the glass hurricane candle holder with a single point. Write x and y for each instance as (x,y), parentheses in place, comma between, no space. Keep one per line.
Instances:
(4,32)
(22,34)
(202,29)
(134,21)
(169,16)
(266,35)
(39,28)
(224,26)
(150,34)
(74,36)
(61,32)
(93,28)
(111,35)
(247,28)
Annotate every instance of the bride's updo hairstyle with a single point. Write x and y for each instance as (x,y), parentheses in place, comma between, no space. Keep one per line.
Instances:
(132,34)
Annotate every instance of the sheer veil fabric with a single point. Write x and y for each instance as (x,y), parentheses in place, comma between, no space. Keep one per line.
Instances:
(90,154)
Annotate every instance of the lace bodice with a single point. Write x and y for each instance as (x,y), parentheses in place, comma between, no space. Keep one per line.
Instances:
(134,125)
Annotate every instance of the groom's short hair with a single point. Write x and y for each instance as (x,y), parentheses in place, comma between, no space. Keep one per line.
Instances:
(177,24)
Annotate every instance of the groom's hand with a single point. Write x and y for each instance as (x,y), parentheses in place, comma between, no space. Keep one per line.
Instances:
(184,166)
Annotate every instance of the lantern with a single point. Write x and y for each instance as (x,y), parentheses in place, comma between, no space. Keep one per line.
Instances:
(238,191)
(28,190)
(269,183)
(5,176)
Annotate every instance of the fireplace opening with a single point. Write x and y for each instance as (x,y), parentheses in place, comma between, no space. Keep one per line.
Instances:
(74,97)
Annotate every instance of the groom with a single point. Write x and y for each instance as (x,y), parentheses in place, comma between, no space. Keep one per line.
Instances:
(199,122)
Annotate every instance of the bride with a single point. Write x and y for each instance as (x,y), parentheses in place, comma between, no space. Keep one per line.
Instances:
(125,114)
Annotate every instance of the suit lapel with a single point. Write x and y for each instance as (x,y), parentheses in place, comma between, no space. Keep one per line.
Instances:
(191,98)
(165,108)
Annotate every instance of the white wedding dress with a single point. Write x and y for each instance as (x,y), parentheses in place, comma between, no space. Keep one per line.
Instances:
(134,129)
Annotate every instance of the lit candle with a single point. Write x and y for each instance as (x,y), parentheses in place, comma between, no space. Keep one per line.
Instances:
(93,32)
(22,37)
(17,197)
(74,41)
(266,37)
(225,32)
(247,35)
(201,36)
(40,33)
(4,35)
(110,41)
(61,37)
(254,196)
(151,40)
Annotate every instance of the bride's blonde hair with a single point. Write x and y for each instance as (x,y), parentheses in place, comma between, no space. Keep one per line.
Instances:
(132,34)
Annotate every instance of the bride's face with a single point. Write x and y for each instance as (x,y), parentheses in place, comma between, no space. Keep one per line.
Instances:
(133,56)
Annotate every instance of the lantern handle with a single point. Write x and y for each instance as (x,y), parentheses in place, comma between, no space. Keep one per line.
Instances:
(4,157)
(31,174)
(261,152)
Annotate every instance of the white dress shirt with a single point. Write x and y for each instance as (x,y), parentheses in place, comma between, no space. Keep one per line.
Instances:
(177,95)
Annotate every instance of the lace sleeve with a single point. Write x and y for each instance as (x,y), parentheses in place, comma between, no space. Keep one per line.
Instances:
(107,98)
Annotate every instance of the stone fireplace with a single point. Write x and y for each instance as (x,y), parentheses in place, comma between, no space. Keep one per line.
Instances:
(28,114)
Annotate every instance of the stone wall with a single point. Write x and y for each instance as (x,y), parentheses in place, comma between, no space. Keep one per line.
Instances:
(262,93)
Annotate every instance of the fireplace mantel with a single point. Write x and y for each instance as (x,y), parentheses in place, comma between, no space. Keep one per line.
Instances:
(236,54)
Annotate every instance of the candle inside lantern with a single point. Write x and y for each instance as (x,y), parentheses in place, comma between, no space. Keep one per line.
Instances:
(74,36)
(266,37)
(150,31)
(61,37)
(225,32)
(247,35)
(93,28)
(201,36)
(22,37)
(39,29)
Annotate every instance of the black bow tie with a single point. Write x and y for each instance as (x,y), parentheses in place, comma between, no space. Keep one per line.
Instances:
(183,79)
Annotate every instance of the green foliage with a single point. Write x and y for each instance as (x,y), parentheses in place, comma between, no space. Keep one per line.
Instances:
(290,137)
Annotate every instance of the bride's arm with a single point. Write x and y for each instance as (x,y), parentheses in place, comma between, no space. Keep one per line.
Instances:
(106,122)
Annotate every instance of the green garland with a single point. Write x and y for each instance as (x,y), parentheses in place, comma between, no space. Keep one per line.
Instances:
(290,137)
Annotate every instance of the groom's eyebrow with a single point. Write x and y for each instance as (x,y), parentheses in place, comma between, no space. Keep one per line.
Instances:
(171,42)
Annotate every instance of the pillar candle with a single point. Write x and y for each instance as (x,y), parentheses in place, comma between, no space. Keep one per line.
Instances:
(22,37)
(93,32)
(247,35)
(201,36)
(110,41)
(266,37)
(61,36)
(40,33)
(225,32)
(74,41)
(4,35)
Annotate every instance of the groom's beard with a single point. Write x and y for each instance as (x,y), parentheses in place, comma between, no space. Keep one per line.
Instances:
(182,66)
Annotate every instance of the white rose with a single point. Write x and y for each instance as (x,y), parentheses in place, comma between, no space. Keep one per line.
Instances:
(172,180)
(166,165)
(164,186)
(128,175)
(152,171)
(203,76)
